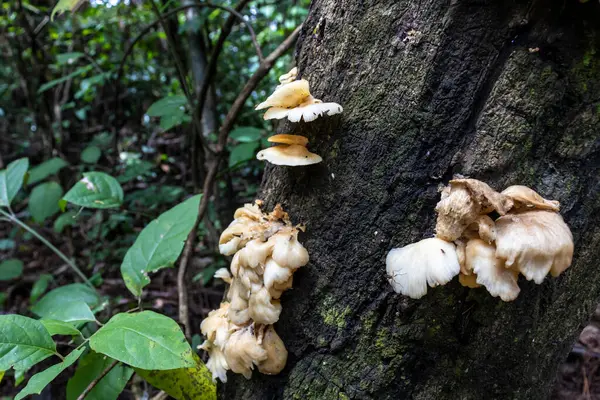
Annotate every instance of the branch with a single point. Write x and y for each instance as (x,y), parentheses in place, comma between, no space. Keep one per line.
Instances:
(232,115)
(93,383)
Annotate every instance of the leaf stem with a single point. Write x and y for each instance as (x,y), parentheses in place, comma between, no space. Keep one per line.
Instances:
(70,263)
(93,384)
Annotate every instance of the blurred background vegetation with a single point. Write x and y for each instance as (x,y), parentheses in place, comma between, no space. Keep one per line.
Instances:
(62,106)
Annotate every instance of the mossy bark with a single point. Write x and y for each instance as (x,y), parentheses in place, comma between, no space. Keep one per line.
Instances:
(503,91)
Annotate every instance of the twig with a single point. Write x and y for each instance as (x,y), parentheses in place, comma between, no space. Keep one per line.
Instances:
(234,111)
(59,253)
(93,384)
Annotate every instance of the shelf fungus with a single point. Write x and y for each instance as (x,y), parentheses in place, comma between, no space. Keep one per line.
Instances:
(266,252)
(292,99)
(291,151)
(529,238)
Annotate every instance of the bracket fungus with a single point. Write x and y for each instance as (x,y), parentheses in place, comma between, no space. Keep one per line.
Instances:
(530,238)
(291,151)
(292,99)
(266,252)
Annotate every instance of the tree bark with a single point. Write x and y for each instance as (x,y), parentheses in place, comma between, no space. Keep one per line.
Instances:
(507,92)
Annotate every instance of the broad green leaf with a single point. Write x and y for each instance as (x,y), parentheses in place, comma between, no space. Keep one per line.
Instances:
(23,342)
(76,73)
(90,367)
(159,244)
(91,154)
(144,340)
(7,244)
(183,383)
(56,327)
(45,169)
(64,5)
(39,287)
(11,180)
(19,376)
(68,303)
(2,375)
(242,152)
(39,381)
(246,134)
(43,202)
(167,106)
(76,311)
(66,219)
(10,269)
(68,58)
(169,121)
(96,190)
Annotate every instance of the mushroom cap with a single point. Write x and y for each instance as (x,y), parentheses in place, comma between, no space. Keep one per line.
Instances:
(216,326)
(292,155)
(462,202)
(264,310)
(276,353)
(250,211)
(288,252)
(288,139)
(275,273)
(534,243)
(243,352)
(255,253)
(216,364)
(482,228)
(526,198)
(223,273)
(310,112)
(287,96)
(277,289)
(428,262)
(490,271)
(289,77)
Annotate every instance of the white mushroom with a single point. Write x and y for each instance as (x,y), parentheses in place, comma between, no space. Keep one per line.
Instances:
(490,271)
(243,352)
(430,262)
(216,364)
(276,353)
(288,252)
(287,96)
(526,198)
(262,309)
(534,243)
(292,155)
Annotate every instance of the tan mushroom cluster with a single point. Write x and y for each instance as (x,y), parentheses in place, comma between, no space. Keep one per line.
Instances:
(266,253)
(292,99)
(529,238)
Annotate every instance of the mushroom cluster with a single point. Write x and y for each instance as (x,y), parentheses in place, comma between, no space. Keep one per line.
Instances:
(292,99)
(266,253)
(529,238)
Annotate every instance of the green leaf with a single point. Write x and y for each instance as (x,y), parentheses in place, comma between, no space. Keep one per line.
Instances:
(64,5)
(96,190)
(68,303)
(11,180)
(43,202)
(246,134)
(91,154)
(39,381)
(24,342)
(56,327)
(183,383)
(242,152)
(39,287)
(68,58)
(167,106)
(144,340)
(159,244)
(10,269)
(7,244)
(64,220)
(169,121)
(74,74)
(45,169)
(90,367)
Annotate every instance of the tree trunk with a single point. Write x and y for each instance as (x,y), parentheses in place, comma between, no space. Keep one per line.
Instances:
(507,92)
